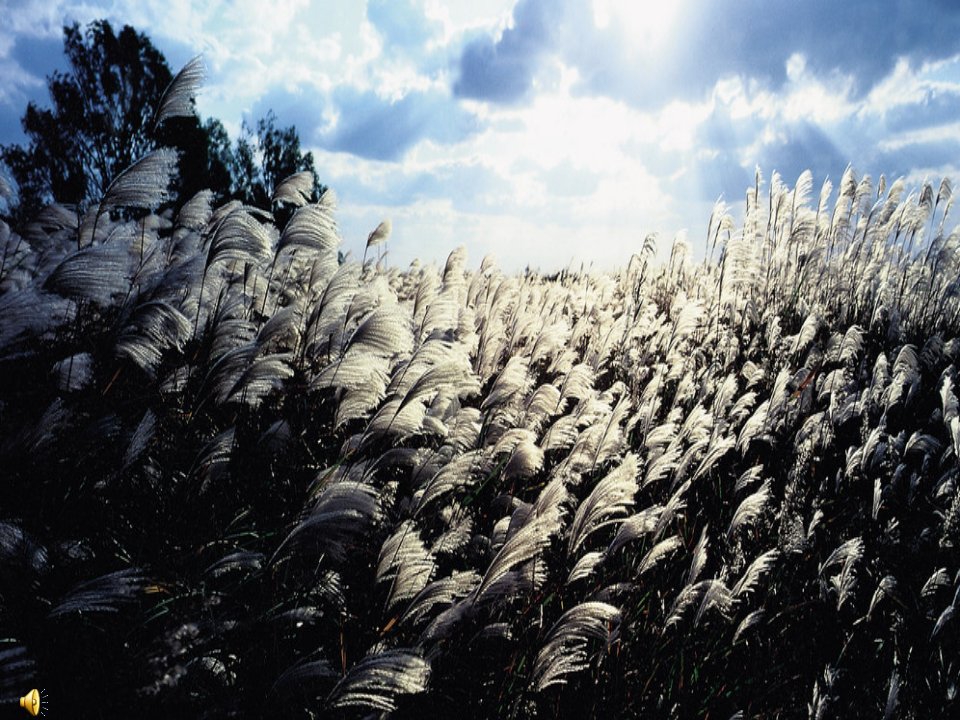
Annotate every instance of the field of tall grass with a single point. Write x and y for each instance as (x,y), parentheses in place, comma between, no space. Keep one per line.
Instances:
(244,476)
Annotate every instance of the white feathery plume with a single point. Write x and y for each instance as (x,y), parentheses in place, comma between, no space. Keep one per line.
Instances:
(847,554)
(343,511)
(717,449)
(566,648)
(141,438)
(514,380)
(675,504)
(761,565)
(154,329)
(313,227)
(377,680)
(851,345)
(380,234)
(196,212)
(662,467)
(636,526)
(73,373)
(177,99)
(951,413)
(585,566)
(525,461)
(944,618)
(892,695)
(699,558)
(717,597)
(239,236)
(562,434)
(659,552)
(750,621)
(748,477)
(610,500)
(750,509)
(95,273)
(145,184)
(689,596)
(937,581)
(460,472)
(294,190)
(525,545)
(104,594)
(887,587)
(443,591)
(405,560)
(455,538)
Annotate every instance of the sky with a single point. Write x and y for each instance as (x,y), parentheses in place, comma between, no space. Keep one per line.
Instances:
(548,132)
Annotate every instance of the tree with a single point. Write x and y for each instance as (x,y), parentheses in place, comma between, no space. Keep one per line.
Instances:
(98,125)
(104,118)
(260,162)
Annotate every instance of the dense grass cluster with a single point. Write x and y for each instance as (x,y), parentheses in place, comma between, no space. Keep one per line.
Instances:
(244,477)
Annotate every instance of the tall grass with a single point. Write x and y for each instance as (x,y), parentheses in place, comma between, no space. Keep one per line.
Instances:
(242,477)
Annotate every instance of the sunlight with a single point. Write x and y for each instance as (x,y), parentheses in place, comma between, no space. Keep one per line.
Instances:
(648,24)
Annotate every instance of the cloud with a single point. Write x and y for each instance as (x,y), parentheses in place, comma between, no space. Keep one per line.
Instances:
(402,23)
(802,146)
(936,108)
(567,180)
(373,127)
(755,39)
(468,186)
(550,129)
(39,55)
(28,59)
(303,107)
(502,70)
(904,160)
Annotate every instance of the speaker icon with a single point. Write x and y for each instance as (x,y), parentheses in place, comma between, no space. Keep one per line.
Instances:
(33,702)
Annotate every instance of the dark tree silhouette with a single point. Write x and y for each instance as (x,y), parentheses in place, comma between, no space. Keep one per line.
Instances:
(103,119)
(98,124)
(264,157)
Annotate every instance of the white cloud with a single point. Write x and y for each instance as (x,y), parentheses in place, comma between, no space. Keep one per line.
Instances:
(571,169)
(15,82)
(935,134)
(649,26)
(459,16)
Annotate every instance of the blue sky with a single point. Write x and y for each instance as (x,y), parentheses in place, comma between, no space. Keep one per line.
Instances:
(545,131)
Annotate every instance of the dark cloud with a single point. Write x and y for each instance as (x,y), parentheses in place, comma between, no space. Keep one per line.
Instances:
(502,70)
(370,126)
(936,108)
(300,108)
(905,159)
(39,56)
(718,164)
(710,40)
(379,129)
(803,146)
(10,130)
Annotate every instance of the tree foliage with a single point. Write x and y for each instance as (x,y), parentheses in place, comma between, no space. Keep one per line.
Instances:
(262,157)
(98,123)
(103,119)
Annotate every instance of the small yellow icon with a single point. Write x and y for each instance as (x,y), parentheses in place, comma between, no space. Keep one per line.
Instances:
(31,702)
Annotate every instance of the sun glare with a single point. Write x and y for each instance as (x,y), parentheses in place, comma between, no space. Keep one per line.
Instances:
(649,24)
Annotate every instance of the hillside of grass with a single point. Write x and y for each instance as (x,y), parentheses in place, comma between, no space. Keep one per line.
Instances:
(243,476)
